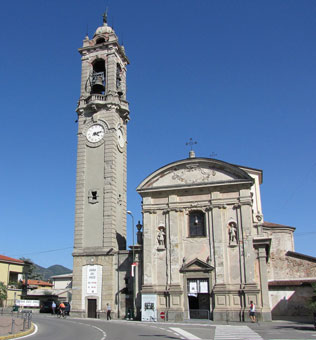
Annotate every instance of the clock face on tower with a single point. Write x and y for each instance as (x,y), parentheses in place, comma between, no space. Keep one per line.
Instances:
(120,139)
(95,133)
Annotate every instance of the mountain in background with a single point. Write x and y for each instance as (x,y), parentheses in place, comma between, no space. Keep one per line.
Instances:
(46,273)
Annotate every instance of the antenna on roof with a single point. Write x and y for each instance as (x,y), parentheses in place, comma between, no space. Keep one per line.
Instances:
(105,16)
(213,154)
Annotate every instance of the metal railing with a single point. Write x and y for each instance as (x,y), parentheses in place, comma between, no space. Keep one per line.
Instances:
(200,314)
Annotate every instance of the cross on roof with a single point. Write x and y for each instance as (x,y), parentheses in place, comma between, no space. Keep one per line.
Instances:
(191,143)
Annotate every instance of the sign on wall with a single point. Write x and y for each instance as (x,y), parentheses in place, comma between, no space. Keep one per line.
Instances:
(27,303)
(149,307)
(92,280)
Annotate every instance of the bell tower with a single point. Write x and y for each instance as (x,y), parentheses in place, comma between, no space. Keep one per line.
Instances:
(100,213)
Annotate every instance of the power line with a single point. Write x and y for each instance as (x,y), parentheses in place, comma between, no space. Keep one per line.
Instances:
(42,252)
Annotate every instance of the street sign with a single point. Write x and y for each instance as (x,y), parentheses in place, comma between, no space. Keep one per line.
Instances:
(162,315)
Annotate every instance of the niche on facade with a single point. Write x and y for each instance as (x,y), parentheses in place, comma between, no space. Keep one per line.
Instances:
(232,233)
(161,237)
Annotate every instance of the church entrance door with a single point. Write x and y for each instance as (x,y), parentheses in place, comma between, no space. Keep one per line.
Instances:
(199,299)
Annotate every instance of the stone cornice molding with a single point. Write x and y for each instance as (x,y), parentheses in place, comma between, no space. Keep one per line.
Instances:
(219,206)
(149,211)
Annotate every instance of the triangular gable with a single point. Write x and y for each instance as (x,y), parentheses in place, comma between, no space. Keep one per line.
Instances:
(194,172)
(196,265)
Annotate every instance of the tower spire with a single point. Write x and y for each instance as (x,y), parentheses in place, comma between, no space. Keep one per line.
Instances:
(105,16)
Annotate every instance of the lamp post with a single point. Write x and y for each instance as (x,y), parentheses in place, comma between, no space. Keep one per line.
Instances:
(133,226)
(133,280)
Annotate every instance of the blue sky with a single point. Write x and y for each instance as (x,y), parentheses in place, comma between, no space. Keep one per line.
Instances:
(236,76)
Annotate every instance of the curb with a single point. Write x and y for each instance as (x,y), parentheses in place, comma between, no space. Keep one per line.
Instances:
(18,335)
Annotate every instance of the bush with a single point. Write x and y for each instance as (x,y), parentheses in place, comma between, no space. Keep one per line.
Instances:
(3,292)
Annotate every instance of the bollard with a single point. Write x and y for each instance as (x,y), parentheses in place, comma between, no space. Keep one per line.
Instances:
(29,321)
(12,326)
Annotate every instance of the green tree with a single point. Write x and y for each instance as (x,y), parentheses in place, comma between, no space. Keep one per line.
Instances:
(30,270)
(3,293)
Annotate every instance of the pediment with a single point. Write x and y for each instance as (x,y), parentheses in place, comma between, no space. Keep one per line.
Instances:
(194,172)
(196,265)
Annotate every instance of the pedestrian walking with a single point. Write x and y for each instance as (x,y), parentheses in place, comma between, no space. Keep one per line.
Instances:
(108,311)
(252,312)
(53,307)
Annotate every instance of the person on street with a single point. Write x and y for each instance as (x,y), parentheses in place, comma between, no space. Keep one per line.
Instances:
(53,307)
(62,308)
(108,311)
(252,311)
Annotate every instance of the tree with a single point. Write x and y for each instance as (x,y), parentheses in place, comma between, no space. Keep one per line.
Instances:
(30,270)
(3,293)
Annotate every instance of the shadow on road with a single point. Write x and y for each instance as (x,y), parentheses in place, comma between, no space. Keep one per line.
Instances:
(298,328)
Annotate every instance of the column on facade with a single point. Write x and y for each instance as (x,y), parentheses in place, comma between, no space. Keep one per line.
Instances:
(148,246)
(111,73)
(174,258)
(218,242)
(85,72)
(210,234)
(247,231)
(262,256)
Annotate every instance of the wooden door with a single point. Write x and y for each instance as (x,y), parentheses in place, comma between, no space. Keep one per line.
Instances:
(92,308)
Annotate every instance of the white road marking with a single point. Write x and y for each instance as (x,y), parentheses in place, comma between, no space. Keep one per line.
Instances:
(31,334)
(184,333)
(228,332)
(85,324)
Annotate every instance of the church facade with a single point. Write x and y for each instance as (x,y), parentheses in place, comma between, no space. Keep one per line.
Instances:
(204,251)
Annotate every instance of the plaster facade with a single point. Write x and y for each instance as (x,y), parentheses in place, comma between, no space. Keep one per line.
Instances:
(11,273)
(218,271)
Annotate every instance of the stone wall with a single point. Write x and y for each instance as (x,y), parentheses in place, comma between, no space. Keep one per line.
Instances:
(290,302)
(282,266)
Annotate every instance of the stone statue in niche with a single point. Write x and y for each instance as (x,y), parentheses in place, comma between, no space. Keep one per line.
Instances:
(232,233)
(161,237)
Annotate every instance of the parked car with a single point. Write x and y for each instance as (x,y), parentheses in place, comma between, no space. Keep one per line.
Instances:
(46,307)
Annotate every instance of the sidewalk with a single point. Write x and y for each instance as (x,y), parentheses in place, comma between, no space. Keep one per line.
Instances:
(13,325)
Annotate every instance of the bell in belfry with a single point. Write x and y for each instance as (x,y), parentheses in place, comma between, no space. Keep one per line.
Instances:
(97,82)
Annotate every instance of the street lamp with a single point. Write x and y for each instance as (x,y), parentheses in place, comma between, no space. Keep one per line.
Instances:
(133,226)
(133,279)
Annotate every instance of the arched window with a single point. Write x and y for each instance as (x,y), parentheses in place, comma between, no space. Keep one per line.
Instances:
(100,41)
(197,224)
(98,77)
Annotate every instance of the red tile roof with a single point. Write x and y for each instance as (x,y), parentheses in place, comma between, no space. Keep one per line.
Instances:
(38,283)
(293,282)
(10,259)
(275,225)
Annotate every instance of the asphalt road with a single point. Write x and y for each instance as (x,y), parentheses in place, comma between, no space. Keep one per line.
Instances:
(51,328)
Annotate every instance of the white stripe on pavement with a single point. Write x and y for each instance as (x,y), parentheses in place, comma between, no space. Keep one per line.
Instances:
(184,333)
(229,332)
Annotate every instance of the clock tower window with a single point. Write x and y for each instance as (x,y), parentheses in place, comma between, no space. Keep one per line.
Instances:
(93,196)
(119,80)
(100,41)
(98,77)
